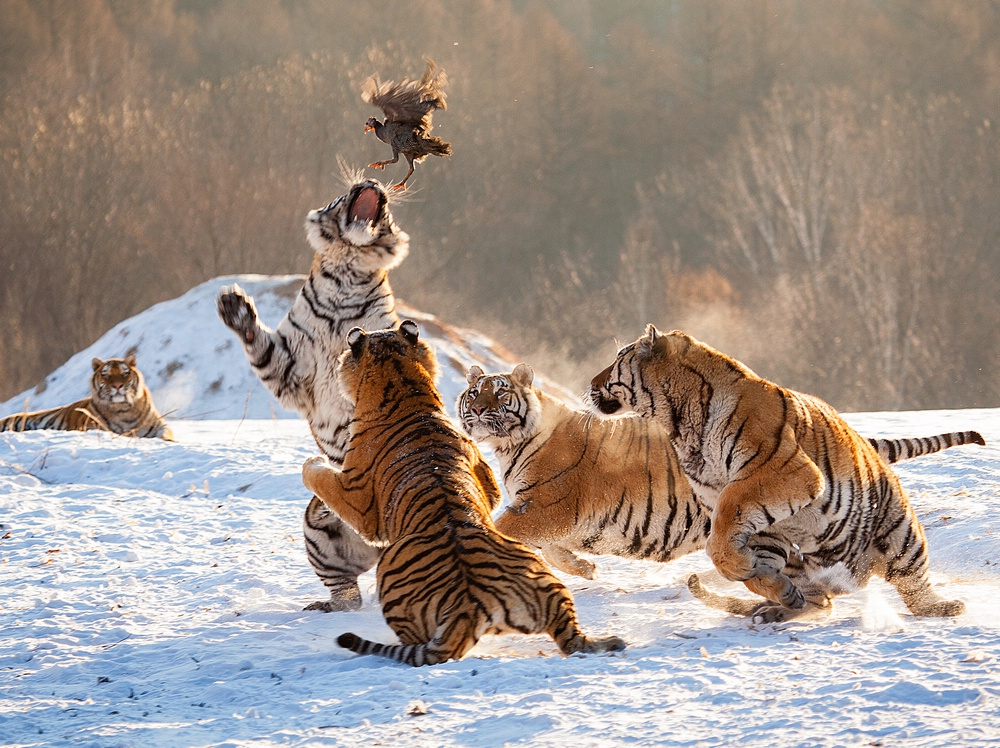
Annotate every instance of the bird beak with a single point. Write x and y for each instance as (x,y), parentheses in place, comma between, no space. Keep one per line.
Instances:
(368,128)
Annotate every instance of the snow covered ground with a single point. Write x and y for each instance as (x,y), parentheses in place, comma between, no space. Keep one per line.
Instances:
(151,594)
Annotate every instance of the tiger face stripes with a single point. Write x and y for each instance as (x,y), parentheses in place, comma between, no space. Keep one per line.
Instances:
(794,491)
(580,484)
(356,243)
(119,402)
(416,486)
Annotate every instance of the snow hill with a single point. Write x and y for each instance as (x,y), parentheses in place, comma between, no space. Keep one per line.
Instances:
(151,594)
(195,367)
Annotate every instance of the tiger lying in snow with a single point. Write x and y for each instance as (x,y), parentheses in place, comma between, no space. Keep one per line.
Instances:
(119,402)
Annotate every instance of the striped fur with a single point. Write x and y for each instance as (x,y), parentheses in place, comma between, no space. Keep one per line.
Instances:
(579,484)
(895,450)
(416,486)
(119,402)
(356,243)
(803,507)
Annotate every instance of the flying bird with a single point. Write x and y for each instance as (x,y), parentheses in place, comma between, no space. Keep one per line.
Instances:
(408,107)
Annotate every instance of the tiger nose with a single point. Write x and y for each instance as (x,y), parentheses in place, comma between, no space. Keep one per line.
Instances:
(477,408)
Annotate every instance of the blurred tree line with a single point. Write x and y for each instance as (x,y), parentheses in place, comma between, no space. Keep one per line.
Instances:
(813,188)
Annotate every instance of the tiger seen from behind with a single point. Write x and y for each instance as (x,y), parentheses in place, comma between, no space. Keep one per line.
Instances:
(119,402)
(797,496)
(419,488)
(356,242)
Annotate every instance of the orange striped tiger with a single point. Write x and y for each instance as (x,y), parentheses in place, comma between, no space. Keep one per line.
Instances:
(604,486)
(356,242)
(796,494)
(419,488)
(580,484)
(119,402)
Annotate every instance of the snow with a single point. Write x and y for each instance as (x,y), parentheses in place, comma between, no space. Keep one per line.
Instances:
(151,593)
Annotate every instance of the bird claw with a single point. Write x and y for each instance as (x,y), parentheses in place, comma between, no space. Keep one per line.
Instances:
(376,165)
(398,187)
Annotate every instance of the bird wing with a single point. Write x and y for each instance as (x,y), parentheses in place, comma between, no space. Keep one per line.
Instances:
(410,102)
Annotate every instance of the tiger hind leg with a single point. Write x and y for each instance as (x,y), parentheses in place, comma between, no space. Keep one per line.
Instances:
(760,611)
(337,554)
(565,630)
(905,565)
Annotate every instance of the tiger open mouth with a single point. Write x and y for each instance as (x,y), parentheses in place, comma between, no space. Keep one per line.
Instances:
(366,206)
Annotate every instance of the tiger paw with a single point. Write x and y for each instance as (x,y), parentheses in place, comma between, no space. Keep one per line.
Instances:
(238,312)
(777,588)
(605,644)
(348,600)
(312,469)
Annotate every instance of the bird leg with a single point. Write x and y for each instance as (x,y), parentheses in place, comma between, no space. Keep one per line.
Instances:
(402,185)
(382,164)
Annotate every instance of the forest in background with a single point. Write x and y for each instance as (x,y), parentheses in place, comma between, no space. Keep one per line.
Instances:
(813,188)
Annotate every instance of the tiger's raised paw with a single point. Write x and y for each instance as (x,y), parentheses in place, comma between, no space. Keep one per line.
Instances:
(237,312)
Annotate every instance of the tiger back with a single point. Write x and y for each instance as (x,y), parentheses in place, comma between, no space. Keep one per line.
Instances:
(119,402)
(580,484)
(796,493)
(420,489)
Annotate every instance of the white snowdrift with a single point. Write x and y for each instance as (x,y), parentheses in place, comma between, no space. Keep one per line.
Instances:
(151,594)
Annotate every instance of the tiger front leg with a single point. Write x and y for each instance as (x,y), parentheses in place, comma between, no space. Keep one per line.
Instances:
(750,505)
(238,313)
(350,504)
(564,559)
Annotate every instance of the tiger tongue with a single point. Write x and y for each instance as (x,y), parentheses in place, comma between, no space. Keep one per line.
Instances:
(365,206)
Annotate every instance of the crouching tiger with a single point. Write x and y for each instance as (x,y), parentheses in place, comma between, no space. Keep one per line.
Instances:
(119,402)
(416,486)
(795,492)
(580,484)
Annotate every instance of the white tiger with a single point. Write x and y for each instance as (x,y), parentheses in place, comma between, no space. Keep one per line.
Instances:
(356,243)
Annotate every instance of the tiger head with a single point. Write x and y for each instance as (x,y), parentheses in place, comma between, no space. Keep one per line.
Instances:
(357,229)
(116,380)
(395,362)
(500,407)
(656,371)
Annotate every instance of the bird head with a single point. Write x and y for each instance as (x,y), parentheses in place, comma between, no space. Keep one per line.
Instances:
(370,124)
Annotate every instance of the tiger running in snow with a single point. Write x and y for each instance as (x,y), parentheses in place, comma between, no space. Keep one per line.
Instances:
(582,484)
(796,494)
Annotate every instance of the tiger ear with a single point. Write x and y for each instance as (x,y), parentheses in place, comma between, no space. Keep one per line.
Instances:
(522,375)
(475,374)
(649,339)
(356,340)
(96,363)
(130,360)
(410,331)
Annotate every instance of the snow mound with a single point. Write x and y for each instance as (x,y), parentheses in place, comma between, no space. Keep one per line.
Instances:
(196,370)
